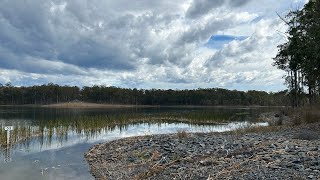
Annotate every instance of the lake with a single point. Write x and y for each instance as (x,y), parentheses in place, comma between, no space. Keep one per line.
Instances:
(48,143)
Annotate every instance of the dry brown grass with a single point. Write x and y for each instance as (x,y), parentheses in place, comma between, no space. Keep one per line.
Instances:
(155,156)
(256,129)
(182,134)
(305,115)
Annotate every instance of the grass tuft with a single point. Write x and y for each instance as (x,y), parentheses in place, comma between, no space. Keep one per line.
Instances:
(155,155)
(255,129)
(182,134)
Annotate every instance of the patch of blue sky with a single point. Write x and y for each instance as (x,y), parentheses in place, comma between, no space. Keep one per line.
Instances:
(217,41)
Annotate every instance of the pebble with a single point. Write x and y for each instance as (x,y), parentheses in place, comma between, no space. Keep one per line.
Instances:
(273,146)
(311,176)
(274,155)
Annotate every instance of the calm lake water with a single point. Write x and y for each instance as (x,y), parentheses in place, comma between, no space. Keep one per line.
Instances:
(44,143)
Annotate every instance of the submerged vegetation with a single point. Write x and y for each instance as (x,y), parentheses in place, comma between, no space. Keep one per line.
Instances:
(59,127)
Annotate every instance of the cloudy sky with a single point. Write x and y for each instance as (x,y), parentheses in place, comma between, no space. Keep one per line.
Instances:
(180,44)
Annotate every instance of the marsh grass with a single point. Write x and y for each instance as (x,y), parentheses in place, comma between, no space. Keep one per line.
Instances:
(45,130)
(90,126)
(19,134)
(3,137)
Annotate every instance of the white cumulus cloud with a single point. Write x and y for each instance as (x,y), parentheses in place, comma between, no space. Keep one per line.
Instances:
(143,44)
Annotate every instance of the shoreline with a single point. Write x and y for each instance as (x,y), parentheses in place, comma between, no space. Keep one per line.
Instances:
(89,105)
(85,105)
(278,152)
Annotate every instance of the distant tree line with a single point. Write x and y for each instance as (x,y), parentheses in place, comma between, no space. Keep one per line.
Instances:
(300,55)
(53,93)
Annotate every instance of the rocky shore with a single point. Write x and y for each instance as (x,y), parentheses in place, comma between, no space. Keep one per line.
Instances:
(279,153)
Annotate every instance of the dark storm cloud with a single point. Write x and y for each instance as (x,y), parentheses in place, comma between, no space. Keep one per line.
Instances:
(23,28)
(33,29)
(91,34)
(145,43)
(203,33)
(201,7)
(89,53)
(238,3)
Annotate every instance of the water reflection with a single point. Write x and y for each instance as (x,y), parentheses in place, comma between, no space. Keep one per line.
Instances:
(8,145)
(44,138)
(62,128)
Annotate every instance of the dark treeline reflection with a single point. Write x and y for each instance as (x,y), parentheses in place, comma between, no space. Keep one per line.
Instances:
(46,125)
(53,93)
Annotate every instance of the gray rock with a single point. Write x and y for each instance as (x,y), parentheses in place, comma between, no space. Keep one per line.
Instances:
(206,163)
(311,176)
(314,163)
(296,161)
(202,145)
(273,155)
(131,159)
(298,167)
(273,146)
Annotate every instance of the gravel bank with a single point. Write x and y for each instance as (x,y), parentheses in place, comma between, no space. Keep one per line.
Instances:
(286,153)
